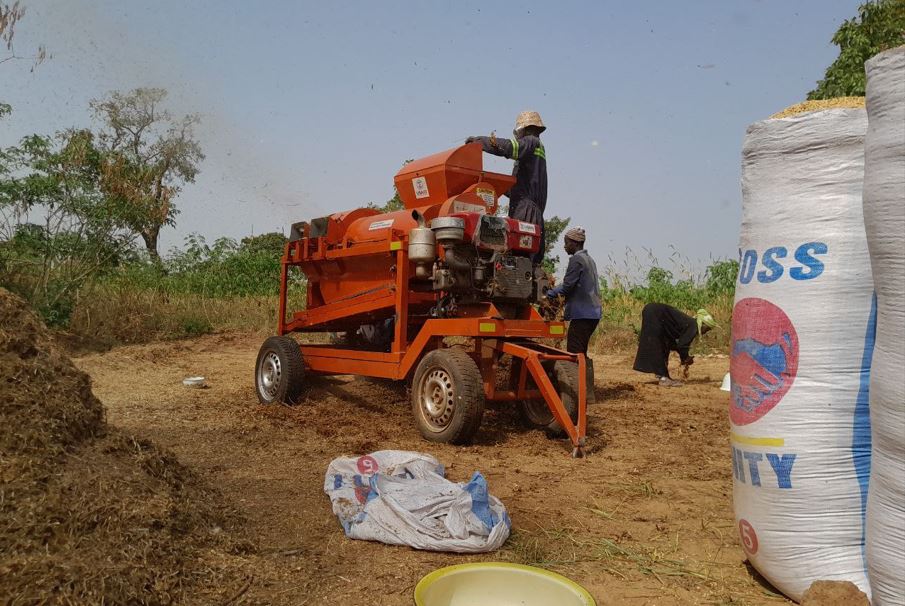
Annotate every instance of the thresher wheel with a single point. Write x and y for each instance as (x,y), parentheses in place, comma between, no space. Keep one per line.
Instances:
(279,371)
(536,413)
(448,396)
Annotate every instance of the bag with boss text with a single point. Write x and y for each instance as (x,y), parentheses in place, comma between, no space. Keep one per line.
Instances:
(884,218)
(802,337)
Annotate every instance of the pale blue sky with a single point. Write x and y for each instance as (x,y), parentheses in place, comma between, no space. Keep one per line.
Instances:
(310,108)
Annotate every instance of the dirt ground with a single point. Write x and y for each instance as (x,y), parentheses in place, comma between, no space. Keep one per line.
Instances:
(646,518)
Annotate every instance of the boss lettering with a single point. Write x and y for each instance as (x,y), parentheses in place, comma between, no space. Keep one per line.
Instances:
(770,266)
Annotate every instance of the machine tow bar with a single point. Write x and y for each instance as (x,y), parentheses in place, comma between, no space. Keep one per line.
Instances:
(578,451)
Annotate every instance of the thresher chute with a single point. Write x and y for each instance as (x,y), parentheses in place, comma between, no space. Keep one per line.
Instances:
(397,283)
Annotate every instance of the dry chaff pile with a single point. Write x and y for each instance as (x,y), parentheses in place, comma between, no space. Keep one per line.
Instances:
(89,515)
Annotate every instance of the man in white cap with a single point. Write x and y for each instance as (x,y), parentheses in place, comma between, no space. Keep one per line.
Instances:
(581,288)
(528,197)
(665,329)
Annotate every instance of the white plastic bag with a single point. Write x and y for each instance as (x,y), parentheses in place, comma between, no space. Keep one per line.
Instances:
(402,498)
(802,332)
(884,218)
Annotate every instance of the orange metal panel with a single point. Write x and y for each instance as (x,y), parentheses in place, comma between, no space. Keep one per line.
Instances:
(329,365)
(367,302)
(446,174)
(338,223)
(400,334)
(533,353)
(380,226)
(281,321)
(341,353)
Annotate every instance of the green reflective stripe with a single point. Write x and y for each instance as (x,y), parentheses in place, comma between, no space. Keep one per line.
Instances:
(539,152)
(514,148)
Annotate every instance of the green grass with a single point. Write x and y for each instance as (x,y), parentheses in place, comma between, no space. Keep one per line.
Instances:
(631,283)
(228,285)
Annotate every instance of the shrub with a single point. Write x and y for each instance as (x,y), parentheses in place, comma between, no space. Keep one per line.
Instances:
(623,296)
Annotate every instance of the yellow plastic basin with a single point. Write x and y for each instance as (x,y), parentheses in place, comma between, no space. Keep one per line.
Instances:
(499,584)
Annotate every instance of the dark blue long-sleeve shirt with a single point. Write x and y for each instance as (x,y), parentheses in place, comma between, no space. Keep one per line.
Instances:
(581,287)
(530,168)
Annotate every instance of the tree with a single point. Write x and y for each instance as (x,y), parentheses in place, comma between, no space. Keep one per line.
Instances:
(394,203)
(880,25)
(10,15)
(270,244)
(553,228)
(57,229)
(148,156)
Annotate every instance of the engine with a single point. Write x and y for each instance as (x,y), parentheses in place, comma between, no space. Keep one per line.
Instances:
(482,257)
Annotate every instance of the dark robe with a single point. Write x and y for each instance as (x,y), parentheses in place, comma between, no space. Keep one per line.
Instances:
(663,329)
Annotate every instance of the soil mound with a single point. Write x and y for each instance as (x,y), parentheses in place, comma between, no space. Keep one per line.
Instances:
(89,514)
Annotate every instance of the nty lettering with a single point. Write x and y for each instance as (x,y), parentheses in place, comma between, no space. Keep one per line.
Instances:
(804,264)
(747,468)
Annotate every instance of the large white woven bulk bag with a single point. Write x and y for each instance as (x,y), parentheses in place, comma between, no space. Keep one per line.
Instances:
(802,333)
(884,218)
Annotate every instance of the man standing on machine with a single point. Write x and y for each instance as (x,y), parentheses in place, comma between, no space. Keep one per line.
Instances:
(528,197)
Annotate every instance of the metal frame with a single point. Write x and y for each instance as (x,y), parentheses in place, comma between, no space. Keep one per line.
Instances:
(493,335)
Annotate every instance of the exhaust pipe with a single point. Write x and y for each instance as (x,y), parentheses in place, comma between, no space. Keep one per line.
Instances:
(422,247)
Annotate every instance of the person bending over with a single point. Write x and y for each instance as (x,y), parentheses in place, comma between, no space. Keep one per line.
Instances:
(665,329)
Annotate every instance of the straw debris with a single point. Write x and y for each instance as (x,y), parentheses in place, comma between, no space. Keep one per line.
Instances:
(89,515)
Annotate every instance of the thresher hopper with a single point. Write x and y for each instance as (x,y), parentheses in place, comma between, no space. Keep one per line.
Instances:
(396,284)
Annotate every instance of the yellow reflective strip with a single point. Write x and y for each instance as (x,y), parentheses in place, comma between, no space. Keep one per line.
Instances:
(396,245)
(557,329)
(514,148)
(756,441)
(486,327)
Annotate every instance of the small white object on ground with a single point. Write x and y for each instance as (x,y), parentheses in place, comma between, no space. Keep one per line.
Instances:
(195,382)
(727,383)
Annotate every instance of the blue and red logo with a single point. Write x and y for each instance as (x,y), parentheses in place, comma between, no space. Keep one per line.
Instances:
(764,359)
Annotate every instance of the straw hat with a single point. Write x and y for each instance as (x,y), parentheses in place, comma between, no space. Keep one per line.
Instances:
(529,118)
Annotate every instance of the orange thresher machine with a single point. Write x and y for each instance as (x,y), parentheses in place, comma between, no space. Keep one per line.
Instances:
(397,283)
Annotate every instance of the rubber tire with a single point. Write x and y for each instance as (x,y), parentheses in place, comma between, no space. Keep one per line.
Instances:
(564,376)
(467,390)
(292,380)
